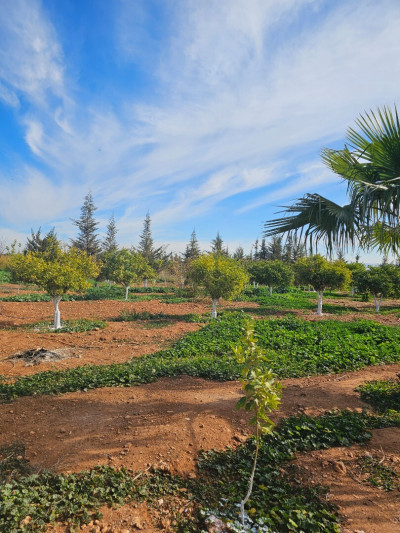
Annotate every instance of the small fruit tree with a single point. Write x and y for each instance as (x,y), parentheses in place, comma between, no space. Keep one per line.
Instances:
(381,281)
(221,277)
(357,271)
(56,272)
(321,274)
(127,267)
(272,273)
(262,393)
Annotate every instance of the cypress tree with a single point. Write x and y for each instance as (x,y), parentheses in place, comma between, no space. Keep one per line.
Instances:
(192,249)
(110,241)
(87,240)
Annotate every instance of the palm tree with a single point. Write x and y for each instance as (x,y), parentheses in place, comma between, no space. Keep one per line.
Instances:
(370,164)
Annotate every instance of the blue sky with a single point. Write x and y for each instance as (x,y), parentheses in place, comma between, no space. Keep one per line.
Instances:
(209,114)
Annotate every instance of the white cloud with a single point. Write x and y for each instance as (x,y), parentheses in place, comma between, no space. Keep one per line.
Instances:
(244,87)
(30,56)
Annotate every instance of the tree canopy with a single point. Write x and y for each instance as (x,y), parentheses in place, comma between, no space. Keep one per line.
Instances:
(127,267)
(221,277)
(55,272)
(322,274)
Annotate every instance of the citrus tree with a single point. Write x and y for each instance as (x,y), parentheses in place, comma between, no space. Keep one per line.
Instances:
(221,277)
(56,272)
(272,273)
(321,274)
(380,281)
(126,267)
(357,270)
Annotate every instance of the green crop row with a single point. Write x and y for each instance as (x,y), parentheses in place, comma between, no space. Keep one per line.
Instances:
(382,395)
(294,348)
(279,502)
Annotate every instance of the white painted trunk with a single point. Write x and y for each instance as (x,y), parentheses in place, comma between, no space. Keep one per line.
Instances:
(146,283)
(57,317)
(270,290)
(378,302)
(109,284)
(214,308)
(126,292)
(319,306)
(352,291)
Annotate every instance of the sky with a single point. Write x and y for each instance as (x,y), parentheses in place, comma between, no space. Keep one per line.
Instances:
(208,114)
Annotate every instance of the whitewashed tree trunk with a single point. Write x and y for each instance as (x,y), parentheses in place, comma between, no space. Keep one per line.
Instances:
(378,302)
(319,306)
(109,284)
(57,317)
(352,291)
(126,292)
(146,283)
(214,308)
(270,290)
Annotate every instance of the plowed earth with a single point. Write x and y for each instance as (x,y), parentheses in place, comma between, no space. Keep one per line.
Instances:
(167,422)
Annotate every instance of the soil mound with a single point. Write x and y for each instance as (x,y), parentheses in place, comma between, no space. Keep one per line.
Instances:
(36,356)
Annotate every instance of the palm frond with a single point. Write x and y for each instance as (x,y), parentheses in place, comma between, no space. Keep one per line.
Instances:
(318,219)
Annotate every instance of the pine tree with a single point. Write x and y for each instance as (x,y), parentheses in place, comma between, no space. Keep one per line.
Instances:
(238,254)
(37,243)
(156,257)
(217,246)
(87,240)
(275,250)
(192,249)
(146,243)
(263,254)
(256,255)
(110,242)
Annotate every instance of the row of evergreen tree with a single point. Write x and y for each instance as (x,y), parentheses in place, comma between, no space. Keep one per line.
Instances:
(88,240)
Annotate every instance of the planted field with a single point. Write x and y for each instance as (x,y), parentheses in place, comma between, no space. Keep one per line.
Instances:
(129,417)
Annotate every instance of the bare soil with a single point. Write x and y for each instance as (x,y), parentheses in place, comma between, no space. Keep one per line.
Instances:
(168,422)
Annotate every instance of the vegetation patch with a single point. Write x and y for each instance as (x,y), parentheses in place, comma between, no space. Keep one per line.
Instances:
(294,348)
(278,502)
(69,326)
(376,473)
(382,395)
(129,316)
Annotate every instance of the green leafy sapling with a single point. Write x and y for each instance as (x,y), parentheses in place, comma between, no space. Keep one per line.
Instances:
(262,393)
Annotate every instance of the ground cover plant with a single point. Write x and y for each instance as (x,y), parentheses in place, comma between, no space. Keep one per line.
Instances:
(382,395)
(378,474)
(278,502)
(294,348)
(68,326)
(132,316)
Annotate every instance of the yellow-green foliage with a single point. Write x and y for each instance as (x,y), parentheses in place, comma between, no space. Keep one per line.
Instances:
(321,273)
(221,276)
(56,272)
(127,267)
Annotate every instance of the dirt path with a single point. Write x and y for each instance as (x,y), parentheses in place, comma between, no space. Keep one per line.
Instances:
(118,342)
(169,421)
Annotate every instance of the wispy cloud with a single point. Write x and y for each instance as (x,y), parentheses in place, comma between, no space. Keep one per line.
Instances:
(244,94)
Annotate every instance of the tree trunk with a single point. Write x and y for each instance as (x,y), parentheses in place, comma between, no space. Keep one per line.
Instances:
(126,292)
(214,308)
(270,290)
(378,302)
(352,291)
(319,306)
(57,317)
(146,283)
